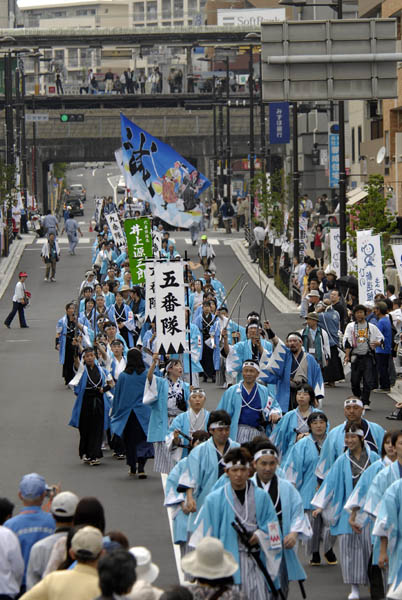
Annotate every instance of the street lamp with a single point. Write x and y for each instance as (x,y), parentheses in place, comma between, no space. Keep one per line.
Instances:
(337,6)
(249,37)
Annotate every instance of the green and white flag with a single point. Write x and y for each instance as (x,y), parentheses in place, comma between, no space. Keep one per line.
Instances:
(139,246)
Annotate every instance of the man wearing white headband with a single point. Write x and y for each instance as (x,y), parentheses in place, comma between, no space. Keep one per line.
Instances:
(334,445)
(355,548)
(205,464)
(240,499)
(194,419)
(255,348)
(288,367)
(289,510)
(252,407)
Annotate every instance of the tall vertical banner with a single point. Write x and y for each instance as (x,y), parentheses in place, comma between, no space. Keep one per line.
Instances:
(169,307)
(333,154)
(335,248)
(158,174)
(397,252)
(115,227)
(369,266)
(139,246)
(303,225)
(150,291)
(279,123)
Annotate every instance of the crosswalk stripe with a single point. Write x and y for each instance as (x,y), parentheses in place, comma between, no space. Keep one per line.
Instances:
(82,240)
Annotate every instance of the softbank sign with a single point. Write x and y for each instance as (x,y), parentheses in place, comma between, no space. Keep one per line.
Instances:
(249,16)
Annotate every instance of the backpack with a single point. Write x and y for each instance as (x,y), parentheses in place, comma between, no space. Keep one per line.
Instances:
(230,211)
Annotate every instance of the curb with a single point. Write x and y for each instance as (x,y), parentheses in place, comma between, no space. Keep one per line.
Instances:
(275,296)
(9,263)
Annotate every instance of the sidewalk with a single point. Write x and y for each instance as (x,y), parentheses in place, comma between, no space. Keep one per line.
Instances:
(281,302)
(9,263)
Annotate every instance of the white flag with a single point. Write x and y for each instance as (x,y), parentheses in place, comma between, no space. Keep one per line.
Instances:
(335,247)
(397,251)
(117,233)
(369,266)
(169,306)
(150,291)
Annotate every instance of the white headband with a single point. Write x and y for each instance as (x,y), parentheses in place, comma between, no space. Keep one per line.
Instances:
(265,452)
(218,424)
(295,337)
(358,432)
(235,463)
(250,363)
(197,391)
(353,401)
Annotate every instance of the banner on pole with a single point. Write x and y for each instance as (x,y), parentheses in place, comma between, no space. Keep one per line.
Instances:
(156,242)
(279,123)
(115,227)
(169,306)
(158,174)
(139,246)
(303,226)
(397,252)
(369,266)
(150,291)
(335,248)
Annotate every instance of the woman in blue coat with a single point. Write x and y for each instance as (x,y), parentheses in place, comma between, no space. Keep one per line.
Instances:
(130,417)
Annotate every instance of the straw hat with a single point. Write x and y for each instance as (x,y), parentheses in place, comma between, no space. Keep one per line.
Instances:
(210,560)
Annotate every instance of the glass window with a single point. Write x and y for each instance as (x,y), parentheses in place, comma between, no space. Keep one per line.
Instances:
(166,23)
(59,55)
(192,6)
(166,9)
(139,11)
(152,11)
(73,57)
(85,57)
(177,9)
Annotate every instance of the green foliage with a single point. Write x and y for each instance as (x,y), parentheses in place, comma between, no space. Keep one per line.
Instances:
(273,198)
(59,170)
(8,190)
(372,213)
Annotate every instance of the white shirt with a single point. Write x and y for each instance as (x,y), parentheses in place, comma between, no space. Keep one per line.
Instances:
(19,292)
(259,234)
(39,557)
(11,562)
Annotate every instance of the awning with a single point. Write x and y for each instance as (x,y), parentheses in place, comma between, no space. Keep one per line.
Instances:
(355,196)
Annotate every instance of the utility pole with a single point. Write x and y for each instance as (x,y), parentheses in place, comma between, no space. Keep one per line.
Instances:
(228,147)
(296,177)
(251,99)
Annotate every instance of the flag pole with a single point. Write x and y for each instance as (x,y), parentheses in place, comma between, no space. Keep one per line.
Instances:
(187,284)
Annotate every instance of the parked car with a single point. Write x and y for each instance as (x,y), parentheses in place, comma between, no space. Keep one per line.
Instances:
(77,189)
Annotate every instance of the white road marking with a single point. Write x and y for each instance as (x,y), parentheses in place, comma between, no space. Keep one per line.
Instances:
(14,341)
(176,548)
(81,222)
(82,240)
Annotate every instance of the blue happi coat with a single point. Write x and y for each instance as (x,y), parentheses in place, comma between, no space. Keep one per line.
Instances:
(335,490)
(242,351)
(215,520)
(156,395)
(79,391)
(196,351)
(129,322)
(201,473)
(128,395)
(61,328)
(299,468)
(231,402)
(389,524)
(334,445)
(284,435)
(174,499)
(182,422)
(293,521)
(276,369)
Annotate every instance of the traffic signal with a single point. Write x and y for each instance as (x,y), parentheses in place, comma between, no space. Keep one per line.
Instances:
(71,118)
(315,155)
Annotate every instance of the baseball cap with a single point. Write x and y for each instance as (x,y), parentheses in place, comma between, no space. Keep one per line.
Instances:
(22,274)
(87,543)
(64,504)
(32,486)
(203,237)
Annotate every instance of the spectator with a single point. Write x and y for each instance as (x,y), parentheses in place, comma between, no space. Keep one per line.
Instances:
(50,224)
(227,212)
(59,84)
(242,211)
(318,245)
(16,216)
(50,255)
(339,307)
(141,80)
(383,352)
(62,508)
(11,561)
(147,572)
(32,523)
(116,571)
(109,78)
(259,237)
(81,582)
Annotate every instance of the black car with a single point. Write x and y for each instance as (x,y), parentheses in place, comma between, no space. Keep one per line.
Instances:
(75,204)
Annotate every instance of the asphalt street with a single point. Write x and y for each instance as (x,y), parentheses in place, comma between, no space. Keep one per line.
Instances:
(36,407)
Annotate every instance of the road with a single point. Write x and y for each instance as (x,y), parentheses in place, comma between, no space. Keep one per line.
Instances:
(36,407)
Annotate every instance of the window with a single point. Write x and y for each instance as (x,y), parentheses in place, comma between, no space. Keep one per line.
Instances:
(166,23)
(166,9)
(73,57)
(152,11)
(179,23)
(59,13)
(177,9)
(59,55)
(377,129)
(85,57)
(139,13)
(353,146)
(192,6)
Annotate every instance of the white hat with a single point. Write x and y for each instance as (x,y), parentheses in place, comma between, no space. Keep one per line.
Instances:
(389,262)
(87,542)
(209,560)
(145,569)
(64,504)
